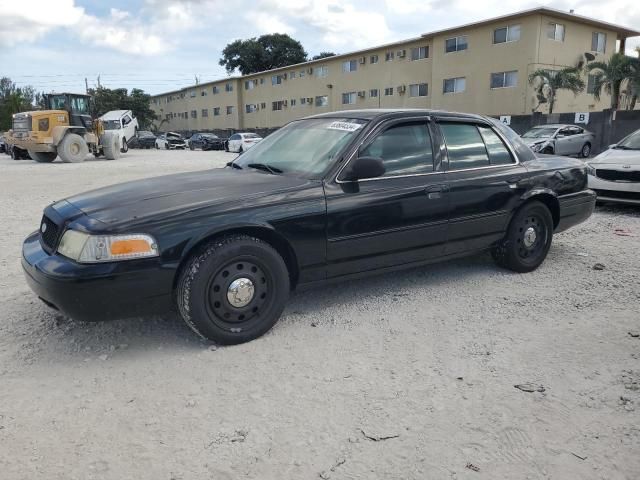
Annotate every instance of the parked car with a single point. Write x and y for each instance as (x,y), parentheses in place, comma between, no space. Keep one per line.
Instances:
(145,139)
(560,140)
(335,196)
(171,141)
(3,144)
(240,142)
(615,173)
(124,123)
(206,141)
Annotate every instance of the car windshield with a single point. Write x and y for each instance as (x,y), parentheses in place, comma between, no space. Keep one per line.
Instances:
(112,124)
(304,147)
(632,142)
(251,135)
(540,132)
(209,135)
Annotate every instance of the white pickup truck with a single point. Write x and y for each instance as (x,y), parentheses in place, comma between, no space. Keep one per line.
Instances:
(124,122)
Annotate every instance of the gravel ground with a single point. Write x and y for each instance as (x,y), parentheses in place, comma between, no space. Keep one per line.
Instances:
(403,376)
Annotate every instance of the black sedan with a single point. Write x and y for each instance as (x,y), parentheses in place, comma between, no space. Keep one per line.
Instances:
(144,139)
(206,141)
(330,197)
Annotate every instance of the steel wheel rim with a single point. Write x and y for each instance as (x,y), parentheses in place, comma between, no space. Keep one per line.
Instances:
(242,315)
(532,238)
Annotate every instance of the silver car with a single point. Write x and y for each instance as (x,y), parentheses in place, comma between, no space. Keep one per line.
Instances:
(615,173)
(560,139)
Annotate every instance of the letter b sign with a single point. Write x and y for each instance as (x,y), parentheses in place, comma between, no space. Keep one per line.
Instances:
(582,118)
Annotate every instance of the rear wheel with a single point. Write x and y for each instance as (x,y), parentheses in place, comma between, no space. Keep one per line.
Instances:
(234,290)
(191,147)
(528,239)
(43,157)
(73,148)
(125,146)
(14,153)
(240,149)
(166,146)
(586,150)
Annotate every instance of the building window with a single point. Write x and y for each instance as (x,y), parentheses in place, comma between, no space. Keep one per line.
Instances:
(373,92)
(205,112)
(215,89)
(276,79)
(194,114)
(455,44)
(293,102)
(349,98)
(192,94)
(250,108)
(303,101)
(249,84)
(454,85)
(322,101)
(418,53)
(230,110)
(322,71)
(388,91)
(555,31)
(504,79)
(216,111)
(591,84)
(598,42)
(349,66)
(228,87)
(506,34)
(418,90)
(301,74)
(373,59)
(203,93)
(388,56)
(185,115)
(279,105)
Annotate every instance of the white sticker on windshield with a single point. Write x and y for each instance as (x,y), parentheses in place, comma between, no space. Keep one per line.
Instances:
(344,126)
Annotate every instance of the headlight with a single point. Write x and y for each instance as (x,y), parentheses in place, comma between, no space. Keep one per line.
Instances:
(591,170)
(536,147)
(85,248)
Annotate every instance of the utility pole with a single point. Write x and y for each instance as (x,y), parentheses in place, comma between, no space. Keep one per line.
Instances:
(86,85)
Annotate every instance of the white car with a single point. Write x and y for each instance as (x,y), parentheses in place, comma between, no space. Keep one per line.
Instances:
(615,173)
(124,123)
(171,141)
(240,142)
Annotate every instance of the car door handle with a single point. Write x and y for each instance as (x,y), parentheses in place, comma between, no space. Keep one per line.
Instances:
(435,191)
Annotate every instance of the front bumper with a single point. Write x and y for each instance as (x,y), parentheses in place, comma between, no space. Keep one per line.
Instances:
(94,292)
(611,191)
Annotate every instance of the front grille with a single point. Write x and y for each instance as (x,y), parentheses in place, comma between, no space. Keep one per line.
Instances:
(49,237)
(618,175)
(21,123)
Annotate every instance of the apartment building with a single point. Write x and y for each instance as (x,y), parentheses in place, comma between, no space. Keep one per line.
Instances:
(481,67)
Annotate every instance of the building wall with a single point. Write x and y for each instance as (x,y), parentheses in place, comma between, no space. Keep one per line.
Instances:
(482,57)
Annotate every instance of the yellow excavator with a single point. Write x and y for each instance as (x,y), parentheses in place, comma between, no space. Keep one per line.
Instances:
(65,129)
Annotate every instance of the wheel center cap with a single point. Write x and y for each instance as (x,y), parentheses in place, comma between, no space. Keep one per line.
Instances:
(530,237)
(240,292)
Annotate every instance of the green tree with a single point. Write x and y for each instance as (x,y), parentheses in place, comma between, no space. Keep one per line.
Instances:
(609,76)
(13,99)
(106,99)
(634,80)
(322,55)
(262,53)
(547,83)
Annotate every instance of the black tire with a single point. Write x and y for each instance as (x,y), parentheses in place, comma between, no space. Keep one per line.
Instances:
(43,157)
(240,149)
(202,294)
(191,147)
(157,147)
(124,148)
(547,150)
(14,154)
(586,150)
(166,146)
(515,251)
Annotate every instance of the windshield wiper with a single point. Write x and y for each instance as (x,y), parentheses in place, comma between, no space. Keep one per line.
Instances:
(231,164)
(265,167)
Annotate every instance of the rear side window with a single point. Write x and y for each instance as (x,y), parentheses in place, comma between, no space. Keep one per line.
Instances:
(465,147)
(405,149)
(498,152)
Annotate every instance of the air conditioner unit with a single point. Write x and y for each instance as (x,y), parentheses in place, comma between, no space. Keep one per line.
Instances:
(402,89)
(363,60)
(310,70)
(402,53)
(362,93)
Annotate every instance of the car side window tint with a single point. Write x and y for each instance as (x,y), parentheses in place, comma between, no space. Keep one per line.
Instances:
(405,149)
(465,147)
(498,152)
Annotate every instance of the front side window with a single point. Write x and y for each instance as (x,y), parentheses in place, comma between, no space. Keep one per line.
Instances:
(322,101)
(349,98)
(465,147)
(454,85)
(405,149)
(455,44)
(506,34)
(307,148)
(598,42)
(555,31)
(418,90)
(504,79)
(350,66)
(418,53)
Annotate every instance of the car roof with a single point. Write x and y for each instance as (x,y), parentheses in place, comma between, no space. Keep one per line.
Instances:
(556,125)
(375,113)
(114,114)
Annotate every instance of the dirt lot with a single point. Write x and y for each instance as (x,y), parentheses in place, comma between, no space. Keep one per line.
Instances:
(404,376)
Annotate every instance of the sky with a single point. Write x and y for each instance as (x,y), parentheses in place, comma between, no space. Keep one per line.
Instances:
(163,45)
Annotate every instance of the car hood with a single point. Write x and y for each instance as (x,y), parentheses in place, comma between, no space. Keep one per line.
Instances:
(533,141)
(135,202)
(617,156)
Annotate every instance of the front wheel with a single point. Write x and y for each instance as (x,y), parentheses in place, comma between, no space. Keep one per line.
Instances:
(234,290)
(125,145)
(73,148)
(586,150)
(528,239)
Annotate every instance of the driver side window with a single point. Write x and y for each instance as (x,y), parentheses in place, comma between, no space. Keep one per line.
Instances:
(405,149)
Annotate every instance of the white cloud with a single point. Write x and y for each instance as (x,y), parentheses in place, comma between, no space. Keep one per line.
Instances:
(265,22)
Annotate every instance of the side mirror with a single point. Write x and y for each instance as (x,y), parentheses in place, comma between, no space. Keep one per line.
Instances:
(364,167)
(613,145)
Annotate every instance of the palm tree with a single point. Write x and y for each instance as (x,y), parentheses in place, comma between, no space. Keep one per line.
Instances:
(609,76)
(634,80)
(550,81)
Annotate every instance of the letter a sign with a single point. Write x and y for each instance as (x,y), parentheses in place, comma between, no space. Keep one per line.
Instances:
(506,119)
